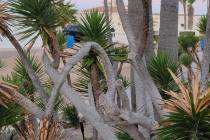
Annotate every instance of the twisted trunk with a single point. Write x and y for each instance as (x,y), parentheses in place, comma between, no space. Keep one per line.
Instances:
(136,27)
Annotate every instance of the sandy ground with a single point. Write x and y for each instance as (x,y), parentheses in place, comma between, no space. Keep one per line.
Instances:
(9,55)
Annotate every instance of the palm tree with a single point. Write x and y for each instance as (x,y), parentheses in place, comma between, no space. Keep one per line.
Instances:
(190,13)
(97,27)
(184,3)
(169,28)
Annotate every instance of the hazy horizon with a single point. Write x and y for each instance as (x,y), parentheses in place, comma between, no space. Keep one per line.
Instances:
(200,6)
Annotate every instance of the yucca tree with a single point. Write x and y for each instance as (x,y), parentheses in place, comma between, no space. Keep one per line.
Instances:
(96,27)
(37,18)
(188,45)
(188,113)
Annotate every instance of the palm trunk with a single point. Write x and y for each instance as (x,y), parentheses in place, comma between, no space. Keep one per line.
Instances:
(169,28)
(54,49)
(190,16)
(149,25)
(106,7)
(185,15)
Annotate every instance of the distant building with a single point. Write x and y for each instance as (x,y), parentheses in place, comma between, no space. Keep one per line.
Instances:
(119,35)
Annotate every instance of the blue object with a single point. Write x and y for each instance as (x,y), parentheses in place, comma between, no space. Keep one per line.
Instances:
(70,41)
(203,43)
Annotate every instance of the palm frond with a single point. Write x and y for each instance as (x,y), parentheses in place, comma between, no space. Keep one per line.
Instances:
(66,12)
(33,17)
(94,27)
(202,24)
(158,68)
(21,78)
(11,114)
(4,17)
(70,116)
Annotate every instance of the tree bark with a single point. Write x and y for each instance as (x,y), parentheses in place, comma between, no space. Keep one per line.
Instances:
(169,28)
(54,49)
(135,25)
(206,57)
(96,92)
(149,52)
(190,16)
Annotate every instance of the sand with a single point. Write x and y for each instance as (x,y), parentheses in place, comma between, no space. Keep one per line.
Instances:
(8,55)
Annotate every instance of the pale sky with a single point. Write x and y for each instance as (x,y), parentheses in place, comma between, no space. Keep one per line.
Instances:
(200,5)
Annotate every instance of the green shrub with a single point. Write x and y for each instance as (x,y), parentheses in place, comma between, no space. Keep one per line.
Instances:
(202,24)
(185,59)
(158,68)
(187,41)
